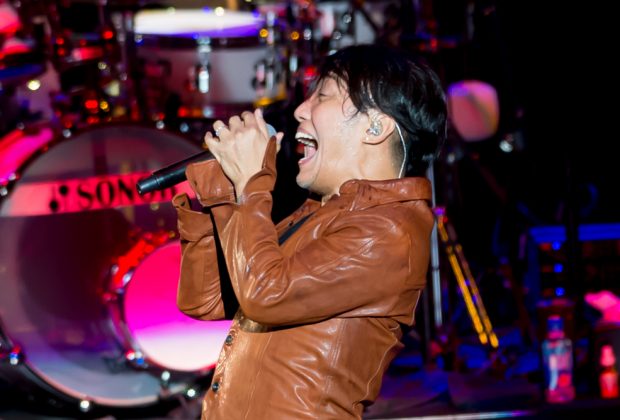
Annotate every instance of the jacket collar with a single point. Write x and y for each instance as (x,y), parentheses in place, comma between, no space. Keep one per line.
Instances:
(361,194)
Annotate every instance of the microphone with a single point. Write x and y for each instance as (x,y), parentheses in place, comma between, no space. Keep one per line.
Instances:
(175,173)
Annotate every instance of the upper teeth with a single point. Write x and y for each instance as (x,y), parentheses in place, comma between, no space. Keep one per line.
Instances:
(305,139)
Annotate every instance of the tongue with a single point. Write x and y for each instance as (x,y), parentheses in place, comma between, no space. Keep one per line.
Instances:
(309,151)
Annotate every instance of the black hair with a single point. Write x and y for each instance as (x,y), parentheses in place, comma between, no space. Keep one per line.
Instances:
(390,80)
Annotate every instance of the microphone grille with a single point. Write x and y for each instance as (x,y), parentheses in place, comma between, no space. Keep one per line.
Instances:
(272,131)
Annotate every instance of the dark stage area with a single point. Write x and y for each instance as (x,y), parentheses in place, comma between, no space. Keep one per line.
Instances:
(524,284)
(410,390)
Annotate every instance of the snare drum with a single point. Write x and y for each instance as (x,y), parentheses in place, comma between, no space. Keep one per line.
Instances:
(205,63)
(69,212)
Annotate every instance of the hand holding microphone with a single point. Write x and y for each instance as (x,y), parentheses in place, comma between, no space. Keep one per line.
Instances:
(240,146)
(175,173)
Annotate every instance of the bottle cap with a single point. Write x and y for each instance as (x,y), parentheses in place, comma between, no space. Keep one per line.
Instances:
(608,358)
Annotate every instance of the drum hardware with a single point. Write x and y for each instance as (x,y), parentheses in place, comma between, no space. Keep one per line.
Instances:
(80,107)
(73,41)
(342,32)
(340,25)
(13,356)
(274,72)
(9,352)
(307,16)
(85,51)
(269,78)
(24,71)
(268,74)
(123,27)
(202,74)
(17,148)
(60,342)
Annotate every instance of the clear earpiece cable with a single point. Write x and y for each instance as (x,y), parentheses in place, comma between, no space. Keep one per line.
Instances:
(402,141)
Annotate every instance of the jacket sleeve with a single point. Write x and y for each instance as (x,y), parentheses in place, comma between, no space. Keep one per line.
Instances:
(199,292)
(368,263)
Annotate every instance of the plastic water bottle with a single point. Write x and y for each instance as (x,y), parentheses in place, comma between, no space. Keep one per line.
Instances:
(557,350)
(608,377)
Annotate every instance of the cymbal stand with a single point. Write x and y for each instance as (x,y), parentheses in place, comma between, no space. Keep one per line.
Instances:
(269,70)
(122,20)
(465,280)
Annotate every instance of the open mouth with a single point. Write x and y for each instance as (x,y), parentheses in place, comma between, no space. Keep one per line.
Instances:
(309,145)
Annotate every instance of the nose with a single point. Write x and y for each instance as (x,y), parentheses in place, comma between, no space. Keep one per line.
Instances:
(302,111)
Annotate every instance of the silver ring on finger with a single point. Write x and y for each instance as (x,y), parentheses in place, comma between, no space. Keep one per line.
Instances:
(219,130)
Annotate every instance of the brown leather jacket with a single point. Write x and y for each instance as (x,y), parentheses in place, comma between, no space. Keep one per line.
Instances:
(319,316)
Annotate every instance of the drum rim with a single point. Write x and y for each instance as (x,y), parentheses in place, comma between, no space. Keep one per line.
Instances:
(58,138)
(191,41)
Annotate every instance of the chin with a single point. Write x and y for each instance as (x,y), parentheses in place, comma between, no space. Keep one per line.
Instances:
(303,183)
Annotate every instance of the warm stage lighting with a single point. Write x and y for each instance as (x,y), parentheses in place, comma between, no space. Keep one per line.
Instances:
(91,104)
(34,84)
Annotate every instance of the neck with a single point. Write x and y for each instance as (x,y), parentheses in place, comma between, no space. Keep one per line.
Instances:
(377,163)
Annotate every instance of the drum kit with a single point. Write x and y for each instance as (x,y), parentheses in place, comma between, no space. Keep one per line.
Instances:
(95,95)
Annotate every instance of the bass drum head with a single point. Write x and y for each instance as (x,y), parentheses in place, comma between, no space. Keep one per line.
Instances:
(73,210)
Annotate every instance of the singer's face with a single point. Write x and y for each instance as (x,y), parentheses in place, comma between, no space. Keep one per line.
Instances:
(331,131)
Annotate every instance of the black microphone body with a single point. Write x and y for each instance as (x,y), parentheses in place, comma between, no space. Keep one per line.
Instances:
(170,175)
(175,173)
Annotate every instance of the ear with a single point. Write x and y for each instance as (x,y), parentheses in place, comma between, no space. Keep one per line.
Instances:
(380,127)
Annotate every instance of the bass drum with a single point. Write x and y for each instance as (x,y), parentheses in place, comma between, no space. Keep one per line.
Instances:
(69,213)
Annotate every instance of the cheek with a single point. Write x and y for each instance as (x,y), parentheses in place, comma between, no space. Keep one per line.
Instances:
(325,119)
(349,133)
